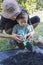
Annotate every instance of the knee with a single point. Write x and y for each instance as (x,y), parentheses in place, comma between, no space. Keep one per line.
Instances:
(35,19)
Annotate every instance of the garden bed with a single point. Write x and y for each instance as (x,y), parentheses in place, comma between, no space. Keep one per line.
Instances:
(17,57)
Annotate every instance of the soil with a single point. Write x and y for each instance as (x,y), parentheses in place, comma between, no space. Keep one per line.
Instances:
(11,57)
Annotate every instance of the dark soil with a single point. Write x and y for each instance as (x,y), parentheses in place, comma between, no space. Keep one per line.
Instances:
(10,57)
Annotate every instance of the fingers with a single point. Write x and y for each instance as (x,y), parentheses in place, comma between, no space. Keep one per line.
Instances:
(18,39)
(26,36)
(29,37)
(18,36)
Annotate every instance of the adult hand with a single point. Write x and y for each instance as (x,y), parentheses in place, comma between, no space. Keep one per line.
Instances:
(29,35)
(16,37)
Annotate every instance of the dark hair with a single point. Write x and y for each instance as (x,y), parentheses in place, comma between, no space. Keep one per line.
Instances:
(22,14)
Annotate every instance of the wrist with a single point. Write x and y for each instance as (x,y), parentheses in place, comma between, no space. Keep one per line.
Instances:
(11,36)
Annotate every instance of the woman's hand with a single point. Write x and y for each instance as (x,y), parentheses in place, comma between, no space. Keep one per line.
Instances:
(29,35)
(16,37)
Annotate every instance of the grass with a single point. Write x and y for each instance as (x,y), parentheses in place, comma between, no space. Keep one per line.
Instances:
(3,41)
(39,30)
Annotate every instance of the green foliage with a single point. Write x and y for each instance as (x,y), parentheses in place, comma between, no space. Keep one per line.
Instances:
(39,4)
(0,0)
(29,5)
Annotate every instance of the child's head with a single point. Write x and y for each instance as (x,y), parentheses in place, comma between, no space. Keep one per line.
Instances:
(22,18)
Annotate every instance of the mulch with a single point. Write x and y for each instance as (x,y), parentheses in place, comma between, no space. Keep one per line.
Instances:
(11,57)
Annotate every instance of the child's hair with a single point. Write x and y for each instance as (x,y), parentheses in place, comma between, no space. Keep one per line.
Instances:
(22,15)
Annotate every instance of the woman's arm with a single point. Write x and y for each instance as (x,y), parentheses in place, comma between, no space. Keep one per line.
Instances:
(14,36)
(31,33)
(4,35)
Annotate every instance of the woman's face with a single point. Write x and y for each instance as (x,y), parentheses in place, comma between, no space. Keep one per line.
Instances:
(14,17)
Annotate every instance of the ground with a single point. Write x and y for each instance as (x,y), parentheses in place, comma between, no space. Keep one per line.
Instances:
(38,31)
